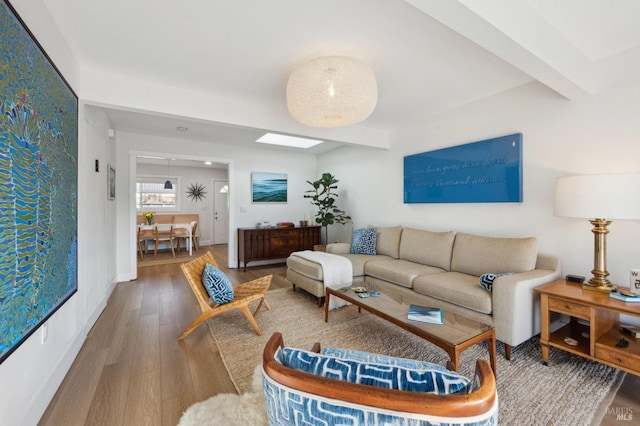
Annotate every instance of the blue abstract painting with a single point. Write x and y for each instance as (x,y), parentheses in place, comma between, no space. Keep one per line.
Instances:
(488,171)
(38,185)
(268,187)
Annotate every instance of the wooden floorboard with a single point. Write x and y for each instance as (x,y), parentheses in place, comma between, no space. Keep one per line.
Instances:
(110,398)
(132,370)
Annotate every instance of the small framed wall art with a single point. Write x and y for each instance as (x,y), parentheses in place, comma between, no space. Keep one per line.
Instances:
(268,187)
(111,182)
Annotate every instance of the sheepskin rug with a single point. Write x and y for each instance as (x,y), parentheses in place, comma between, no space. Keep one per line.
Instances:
(230,409)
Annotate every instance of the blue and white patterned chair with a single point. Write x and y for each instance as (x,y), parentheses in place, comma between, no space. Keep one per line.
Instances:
(345,387)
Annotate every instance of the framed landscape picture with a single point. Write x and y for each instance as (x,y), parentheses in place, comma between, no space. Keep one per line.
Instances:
(268,187)
(38,185)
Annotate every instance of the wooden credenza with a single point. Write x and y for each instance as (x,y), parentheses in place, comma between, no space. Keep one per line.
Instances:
(275,243)
(597,335)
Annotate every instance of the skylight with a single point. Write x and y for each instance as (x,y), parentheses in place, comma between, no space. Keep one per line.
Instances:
(284,140)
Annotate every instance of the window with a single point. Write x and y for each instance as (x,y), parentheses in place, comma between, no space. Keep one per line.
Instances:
(151,195)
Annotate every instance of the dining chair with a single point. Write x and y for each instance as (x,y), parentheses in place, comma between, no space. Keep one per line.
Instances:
(144,236)
(194,235)
(164,233)
(181,234)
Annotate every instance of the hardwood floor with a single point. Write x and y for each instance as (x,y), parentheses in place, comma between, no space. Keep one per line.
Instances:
(132,370)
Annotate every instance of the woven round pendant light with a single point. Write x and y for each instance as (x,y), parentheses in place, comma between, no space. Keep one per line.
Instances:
(332,91)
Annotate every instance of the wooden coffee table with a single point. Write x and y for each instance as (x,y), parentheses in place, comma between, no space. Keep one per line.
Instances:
(454,336)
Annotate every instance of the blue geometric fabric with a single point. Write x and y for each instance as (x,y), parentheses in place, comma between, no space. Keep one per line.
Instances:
(363,241)
(380,359)
(287,406)
(217,284)
(428,380)
(486,280)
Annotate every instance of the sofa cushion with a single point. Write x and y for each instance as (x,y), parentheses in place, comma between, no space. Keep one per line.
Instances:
(388,241)
(358,262)
(476,255)
(454,287)
(363,241)
(426,247)
(338,248)
(398,271)
(314,270)
(432,380)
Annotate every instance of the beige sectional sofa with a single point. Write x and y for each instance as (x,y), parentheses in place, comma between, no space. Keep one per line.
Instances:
(443,269)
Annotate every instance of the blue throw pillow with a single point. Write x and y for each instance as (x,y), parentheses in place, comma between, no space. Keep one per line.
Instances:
(363,241)
(217,284)
(380,359)
(486,280)
(427,380)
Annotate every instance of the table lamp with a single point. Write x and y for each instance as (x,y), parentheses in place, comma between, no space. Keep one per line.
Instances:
(599,198)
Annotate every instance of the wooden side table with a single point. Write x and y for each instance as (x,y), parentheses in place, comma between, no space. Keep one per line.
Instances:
(598,333)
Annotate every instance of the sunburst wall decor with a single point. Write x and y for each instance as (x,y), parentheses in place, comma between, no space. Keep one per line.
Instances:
(196,192)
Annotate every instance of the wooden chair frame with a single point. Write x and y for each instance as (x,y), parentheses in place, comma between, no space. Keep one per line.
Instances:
(194,235)
(164,236)
(143,237)
(476,403)
(182,234)
(243,295)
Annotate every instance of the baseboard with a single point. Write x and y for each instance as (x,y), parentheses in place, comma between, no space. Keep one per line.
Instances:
(129,276)
(41,399)
(96,313)
(45,394)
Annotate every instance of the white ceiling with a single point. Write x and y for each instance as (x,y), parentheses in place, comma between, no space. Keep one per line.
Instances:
(429,56)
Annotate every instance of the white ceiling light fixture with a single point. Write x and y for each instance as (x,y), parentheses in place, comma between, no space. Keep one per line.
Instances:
(332,91)
(284,140)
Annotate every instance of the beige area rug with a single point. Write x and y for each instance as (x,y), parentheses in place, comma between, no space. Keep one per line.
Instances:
(569,391)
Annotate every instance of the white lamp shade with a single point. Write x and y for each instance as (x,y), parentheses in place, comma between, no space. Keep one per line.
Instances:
(332,91)
(608,196)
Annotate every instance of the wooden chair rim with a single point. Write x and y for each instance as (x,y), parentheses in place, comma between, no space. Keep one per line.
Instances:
(457,405)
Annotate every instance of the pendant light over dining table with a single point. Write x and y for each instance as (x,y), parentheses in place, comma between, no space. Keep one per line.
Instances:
(167,184)
(332,91)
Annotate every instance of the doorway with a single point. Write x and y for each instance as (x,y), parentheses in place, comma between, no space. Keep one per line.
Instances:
(221,212)
(185,160)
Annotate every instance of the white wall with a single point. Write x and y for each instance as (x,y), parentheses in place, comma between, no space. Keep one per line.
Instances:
(241,162)
(31,375)
(599,134)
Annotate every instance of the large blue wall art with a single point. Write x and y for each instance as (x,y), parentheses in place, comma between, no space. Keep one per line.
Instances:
(488,171)
(38,185)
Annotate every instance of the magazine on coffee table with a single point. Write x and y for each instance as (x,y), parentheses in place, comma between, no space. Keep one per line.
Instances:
(425,314)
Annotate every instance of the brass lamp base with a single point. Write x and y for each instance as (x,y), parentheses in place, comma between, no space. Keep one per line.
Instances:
(599,281)
(601,288)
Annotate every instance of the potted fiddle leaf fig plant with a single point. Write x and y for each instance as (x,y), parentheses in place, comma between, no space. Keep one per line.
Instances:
(323,196)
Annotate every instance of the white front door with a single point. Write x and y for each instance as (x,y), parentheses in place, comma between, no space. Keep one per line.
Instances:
(221,212)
